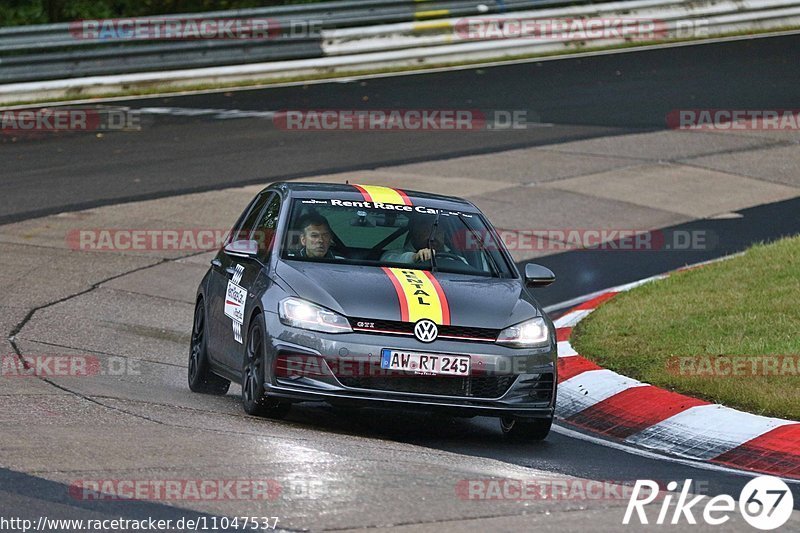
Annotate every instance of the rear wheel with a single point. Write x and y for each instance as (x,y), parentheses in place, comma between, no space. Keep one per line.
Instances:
(525,429)
(201,379)
(254,398)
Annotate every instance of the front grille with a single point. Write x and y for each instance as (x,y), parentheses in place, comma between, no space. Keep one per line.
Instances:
(396,327)
(467,387)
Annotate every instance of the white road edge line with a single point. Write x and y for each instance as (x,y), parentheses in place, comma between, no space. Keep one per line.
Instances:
(657,456)
(352,78)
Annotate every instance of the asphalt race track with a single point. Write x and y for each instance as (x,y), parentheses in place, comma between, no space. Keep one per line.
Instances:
(345,469)
(582,98)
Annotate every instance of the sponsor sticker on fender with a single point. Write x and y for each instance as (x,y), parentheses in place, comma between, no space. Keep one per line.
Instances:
(235,297)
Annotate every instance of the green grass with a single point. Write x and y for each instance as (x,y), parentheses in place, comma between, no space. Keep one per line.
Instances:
(745,306)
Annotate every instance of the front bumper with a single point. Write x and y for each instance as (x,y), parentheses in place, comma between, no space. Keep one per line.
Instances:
(345,370)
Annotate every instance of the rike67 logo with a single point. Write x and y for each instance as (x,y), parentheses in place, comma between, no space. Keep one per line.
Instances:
(765,503)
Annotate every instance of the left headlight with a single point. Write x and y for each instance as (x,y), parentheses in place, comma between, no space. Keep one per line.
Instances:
(302,314)
(526,334)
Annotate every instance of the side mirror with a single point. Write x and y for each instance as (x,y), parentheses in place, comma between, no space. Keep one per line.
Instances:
(244,248)
(538,276)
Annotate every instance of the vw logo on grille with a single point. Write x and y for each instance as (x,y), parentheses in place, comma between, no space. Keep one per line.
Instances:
(425,330)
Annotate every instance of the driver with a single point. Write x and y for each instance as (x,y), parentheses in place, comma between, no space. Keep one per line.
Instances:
(417,249)
(316,237)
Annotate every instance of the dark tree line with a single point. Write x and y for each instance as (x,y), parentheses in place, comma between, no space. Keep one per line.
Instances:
(18,12)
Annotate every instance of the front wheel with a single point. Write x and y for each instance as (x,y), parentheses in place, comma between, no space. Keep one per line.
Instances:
(200,377)
(254,398)
(525,429)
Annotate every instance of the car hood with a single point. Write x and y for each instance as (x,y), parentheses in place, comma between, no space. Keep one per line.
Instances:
(370,292)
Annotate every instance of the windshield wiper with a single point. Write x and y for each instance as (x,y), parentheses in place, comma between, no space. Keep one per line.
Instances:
(430,240)
(491,261)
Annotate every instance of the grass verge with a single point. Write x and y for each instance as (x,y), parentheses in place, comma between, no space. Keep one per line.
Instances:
(739,317)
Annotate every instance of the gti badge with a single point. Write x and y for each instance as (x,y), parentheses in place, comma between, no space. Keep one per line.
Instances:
(425,330)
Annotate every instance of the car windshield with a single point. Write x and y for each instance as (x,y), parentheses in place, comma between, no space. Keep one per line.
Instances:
(387,235)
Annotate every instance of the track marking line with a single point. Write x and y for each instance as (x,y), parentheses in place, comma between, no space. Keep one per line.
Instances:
(657,456)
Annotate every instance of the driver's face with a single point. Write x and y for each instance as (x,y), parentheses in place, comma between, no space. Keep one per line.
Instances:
(316,240)
(420,233)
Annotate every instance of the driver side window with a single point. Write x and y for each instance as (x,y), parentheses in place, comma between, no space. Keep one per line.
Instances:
(264,231)
(246,222)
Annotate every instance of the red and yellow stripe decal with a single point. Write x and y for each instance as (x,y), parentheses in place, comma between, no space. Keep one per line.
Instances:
(384,195)
(420,295)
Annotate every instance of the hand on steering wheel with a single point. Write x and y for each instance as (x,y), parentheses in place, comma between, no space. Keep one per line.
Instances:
(425,255)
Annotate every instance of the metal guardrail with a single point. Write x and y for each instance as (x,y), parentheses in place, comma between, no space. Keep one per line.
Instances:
(672,19)
(46,52)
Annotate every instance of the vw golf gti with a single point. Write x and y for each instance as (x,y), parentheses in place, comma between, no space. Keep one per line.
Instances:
(373,296)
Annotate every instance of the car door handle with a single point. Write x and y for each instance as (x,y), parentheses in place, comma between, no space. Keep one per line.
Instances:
(216,262)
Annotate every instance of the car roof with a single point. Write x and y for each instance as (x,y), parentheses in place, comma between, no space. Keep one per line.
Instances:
(318,190)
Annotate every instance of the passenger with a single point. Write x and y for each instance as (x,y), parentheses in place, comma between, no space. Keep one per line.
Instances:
(417,248)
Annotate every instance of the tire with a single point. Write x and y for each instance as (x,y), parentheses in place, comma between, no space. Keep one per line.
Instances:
(200,377)
(254,399)
(525,429)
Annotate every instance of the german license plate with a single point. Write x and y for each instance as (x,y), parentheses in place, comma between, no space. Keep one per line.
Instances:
(425,363)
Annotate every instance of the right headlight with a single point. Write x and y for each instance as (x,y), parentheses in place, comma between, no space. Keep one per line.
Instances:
(528,334)
(303,314)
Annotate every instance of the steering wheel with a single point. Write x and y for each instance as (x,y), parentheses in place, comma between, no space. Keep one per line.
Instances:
(452,257)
